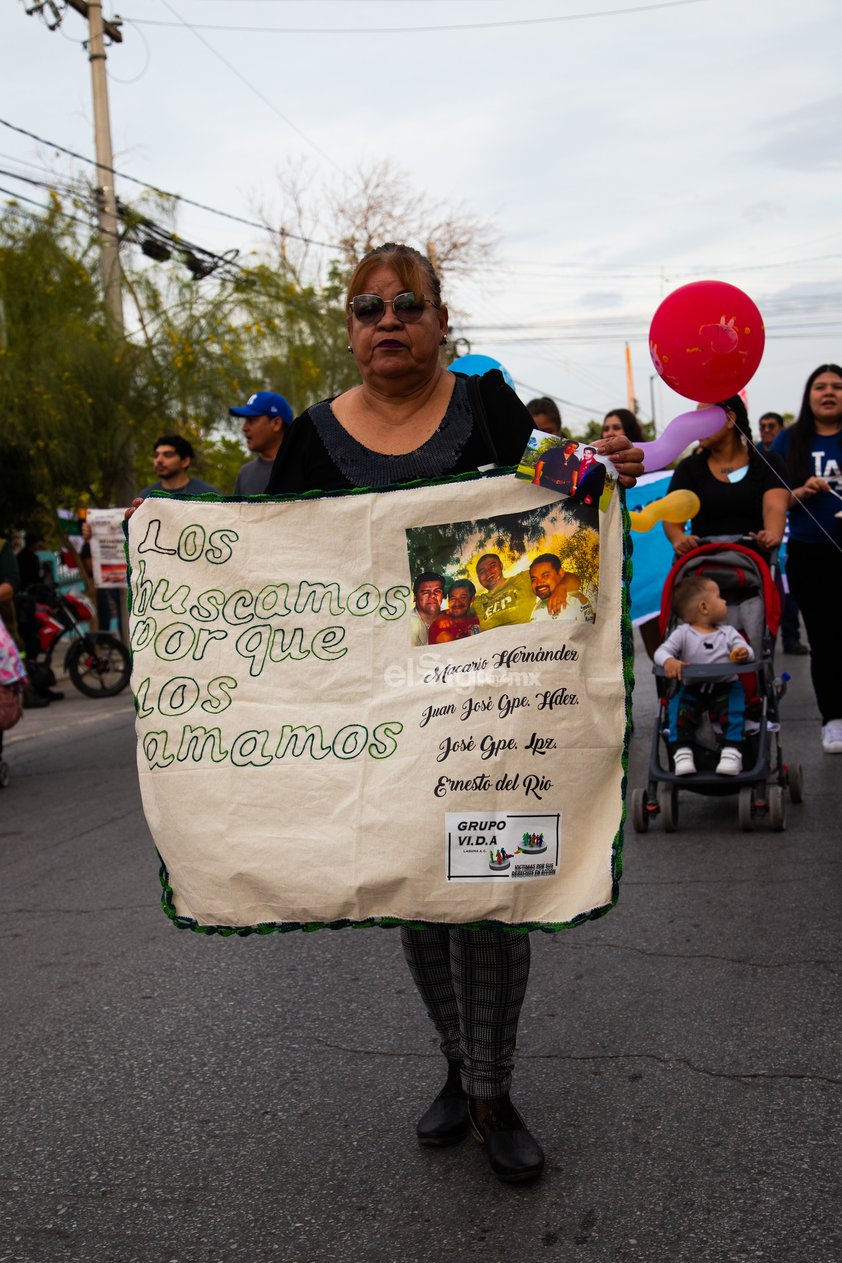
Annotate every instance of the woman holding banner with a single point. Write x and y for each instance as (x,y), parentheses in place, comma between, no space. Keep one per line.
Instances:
(410,419)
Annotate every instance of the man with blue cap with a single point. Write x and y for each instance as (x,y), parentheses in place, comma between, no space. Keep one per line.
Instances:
(264,417)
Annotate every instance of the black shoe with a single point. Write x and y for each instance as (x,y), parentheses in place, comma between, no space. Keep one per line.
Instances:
(797,648)
(446,1121)
(53,695)
(514,1155)
(33,700)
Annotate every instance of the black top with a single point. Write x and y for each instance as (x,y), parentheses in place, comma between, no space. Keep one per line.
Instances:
(728,508)
(9,569)
(485,423)
(29,568)
(558,469)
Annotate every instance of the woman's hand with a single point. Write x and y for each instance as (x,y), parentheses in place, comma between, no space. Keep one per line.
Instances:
(627,460)
(684,543)
(768,539)
(810,488)
(135,504)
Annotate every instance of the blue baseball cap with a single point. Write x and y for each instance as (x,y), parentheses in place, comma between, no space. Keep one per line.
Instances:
(265,404)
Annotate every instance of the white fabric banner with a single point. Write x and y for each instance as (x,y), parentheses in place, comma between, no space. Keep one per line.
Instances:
(304,759)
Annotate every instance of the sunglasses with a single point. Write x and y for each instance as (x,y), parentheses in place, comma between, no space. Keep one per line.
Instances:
(369,308)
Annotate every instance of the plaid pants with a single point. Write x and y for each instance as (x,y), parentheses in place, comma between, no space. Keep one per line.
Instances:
(472,983)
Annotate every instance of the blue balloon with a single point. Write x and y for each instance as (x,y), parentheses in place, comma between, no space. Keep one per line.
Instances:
(476,365)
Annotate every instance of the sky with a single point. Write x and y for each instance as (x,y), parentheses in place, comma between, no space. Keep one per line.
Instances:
(618,150)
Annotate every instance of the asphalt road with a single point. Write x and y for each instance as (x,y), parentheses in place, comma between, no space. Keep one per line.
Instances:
(169,1098)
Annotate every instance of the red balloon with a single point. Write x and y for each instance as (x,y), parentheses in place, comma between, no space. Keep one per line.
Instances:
(706,340)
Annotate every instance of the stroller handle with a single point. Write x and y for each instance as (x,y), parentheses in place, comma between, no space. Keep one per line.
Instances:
(769,555)
(712,671)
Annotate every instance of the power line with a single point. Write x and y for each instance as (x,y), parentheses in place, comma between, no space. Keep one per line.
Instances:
(19,197)
(35,166)
(579,270)
(415,30)
(243,79)
(568,403)
(564,275)
(25,179)
(177,197)
(155,242)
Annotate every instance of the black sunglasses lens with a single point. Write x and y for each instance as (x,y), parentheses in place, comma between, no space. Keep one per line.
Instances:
(408,307)
(368,308)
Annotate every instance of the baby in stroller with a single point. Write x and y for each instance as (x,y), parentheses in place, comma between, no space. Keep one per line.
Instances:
(704,637)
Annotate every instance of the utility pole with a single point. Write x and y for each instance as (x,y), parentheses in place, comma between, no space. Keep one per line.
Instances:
(631,400)
(105,195)
(106,199)
(124,483)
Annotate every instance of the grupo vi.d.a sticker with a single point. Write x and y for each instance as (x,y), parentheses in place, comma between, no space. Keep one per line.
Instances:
(501,846)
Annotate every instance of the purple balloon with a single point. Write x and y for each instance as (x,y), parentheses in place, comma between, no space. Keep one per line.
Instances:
(683,430)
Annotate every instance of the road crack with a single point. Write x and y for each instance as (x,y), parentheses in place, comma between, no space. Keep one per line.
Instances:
(669,1061)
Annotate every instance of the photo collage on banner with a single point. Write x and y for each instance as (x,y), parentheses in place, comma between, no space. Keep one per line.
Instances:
(535,567)
(472,577)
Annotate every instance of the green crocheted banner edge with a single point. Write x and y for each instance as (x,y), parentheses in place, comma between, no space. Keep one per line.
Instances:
(389,923)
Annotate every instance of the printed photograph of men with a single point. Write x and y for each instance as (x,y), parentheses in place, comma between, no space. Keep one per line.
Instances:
(563,465)
(428,590)
(473,577)
(457,621)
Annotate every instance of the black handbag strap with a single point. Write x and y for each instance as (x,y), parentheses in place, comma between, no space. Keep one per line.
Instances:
(481,417)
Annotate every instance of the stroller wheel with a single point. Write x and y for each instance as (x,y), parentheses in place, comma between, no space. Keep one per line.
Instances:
(795,780)
(668,803)
(777,807)
(747,808)
(640,810)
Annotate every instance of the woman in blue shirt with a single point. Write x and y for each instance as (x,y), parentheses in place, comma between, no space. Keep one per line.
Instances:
(812,449)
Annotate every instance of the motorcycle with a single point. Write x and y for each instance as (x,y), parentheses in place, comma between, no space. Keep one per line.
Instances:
(97,662)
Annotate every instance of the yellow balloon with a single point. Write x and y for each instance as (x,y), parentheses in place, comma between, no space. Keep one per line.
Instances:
(678,506)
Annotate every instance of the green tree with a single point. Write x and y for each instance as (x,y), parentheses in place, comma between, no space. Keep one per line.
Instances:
(63,379)
(580,554)
(532,454)
(76,399)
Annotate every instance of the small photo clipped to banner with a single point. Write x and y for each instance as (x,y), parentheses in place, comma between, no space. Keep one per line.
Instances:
(474,576)
(570,468)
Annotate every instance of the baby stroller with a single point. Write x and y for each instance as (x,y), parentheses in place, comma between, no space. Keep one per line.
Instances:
(747,584)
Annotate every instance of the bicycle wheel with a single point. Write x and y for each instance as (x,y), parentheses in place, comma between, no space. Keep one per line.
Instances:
(99,665)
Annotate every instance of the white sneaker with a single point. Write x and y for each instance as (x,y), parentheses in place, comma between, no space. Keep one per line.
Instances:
(730,762)
(683,762)
(832,737)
